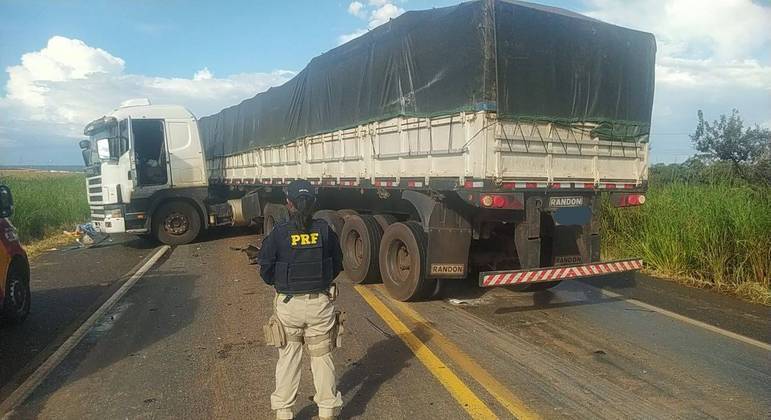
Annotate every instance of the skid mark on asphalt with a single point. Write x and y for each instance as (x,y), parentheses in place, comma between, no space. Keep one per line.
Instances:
(459,390)
(505,397)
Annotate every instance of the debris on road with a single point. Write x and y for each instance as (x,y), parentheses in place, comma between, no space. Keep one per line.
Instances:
(87,236)
(251,252)
(470,302)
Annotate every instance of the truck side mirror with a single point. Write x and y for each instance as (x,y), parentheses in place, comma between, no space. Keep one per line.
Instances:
(6,201)
(84,144)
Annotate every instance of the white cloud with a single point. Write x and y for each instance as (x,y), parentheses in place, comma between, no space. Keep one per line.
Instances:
(699,42)
(55,91)
(383,14)
(203,74)
(726,29)
(712,73)
(711,55)
(376,12)
(357,9)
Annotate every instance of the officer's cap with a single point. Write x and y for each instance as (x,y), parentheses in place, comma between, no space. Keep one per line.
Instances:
(300,188)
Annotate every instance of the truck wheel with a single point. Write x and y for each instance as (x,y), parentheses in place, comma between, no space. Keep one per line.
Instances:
(17,295)
(333,219)
(360,241)
(274,214)
(403,262)
(384,220)
(176,223)
(344,213)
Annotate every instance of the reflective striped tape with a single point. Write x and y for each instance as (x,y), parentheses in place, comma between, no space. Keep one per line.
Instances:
(558,273)
(616,186)
(387,183)
(468,184)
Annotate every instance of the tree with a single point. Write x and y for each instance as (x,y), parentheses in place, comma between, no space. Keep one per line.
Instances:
(747,150)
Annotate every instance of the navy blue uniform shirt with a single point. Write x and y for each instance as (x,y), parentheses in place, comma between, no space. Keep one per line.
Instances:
(276,248)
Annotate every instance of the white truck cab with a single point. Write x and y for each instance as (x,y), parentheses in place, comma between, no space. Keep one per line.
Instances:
(137,157)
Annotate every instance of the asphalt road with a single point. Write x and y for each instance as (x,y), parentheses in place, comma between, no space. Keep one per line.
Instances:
(67,286)
(185,342)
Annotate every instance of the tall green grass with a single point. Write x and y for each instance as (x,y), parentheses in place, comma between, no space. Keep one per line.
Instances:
(46,202)
(714,234)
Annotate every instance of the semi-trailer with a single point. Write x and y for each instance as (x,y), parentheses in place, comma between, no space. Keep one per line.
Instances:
(469,141)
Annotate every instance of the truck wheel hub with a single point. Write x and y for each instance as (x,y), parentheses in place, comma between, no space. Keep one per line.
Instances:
(176,224)
(403,261)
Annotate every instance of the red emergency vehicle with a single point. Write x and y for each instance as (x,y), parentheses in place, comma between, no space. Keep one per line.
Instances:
(14,266)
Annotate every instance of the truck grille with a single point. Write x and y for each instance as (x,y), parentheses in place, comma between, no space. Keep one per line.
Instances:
(94,186)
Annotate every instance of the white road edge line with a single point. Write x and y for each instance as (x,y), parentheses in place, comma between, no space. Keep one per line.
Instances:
(683,318)
(25,389)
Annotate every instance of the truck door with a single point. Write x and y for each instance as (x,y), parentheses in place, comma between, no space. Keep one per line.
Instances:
(188,168)
(150,155)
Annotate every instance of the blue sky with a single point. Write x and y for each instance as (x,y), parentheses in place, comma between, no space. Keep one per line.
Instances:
(65,63)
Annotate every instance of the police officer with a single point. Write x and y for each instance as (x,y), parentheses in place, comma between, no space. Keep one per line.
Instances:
(301,258)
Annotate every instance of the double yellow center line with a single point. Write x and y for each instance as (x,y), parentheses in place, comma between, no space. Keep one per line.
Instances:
(467,399)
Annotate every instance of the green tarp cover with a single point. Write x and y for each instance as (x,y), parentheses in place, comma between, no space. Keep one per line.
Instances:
(521,60)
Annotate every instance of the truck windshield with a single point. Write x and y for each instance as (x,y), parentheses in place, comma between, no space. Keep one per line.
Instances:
(109,143)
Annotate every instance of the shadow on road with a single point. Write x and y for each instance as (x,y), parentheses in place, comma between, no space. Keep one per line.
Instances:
(364,377)
(543,300)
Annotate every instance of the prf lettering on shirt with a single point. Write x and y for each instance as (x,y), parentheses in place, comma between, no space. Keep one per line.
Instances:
(304,239)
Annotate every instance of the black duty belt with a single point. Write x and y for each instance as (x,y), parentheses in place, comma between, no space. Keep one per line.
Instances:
(313,295)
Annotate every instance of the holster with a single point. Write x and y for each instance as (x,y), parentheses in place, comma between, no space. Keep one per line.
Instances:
(332,292)
(274,332)
(336,334)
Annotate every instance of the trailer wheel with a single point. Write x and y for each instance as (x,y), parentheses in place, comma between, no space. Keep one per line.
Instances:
(17,295)
(403,262)
(385,220)
(333,219)
(344,213)
(176,223)
(274,214)
(360,241)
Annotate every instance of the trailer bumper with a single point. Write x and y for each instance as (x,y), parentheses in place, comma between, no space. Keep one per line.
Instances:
(547,274)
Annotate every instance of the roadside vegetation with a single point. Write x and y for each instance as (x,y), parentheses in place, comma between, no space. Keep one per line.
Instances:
(46,203)
(707,222)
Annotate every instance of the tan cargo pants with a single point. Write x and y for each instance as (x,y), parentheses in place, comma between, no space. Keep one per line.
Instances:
(304,315)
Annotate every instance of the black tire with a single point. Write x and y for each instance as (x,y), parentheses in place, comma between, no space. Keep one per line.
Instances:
(360,243)
(274,214)
(403,262)
(18,297)
(333,219)
(344,213)
(385,220)
(176,223)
